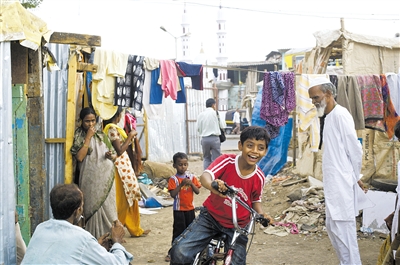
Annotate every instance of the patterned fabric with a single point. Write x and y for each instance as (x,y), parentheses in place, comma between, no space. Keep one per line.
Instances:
(124,166)
(96,178)
(390,115)
(279,99)
(129,89)
(370,87)
(373,106)
(79,139)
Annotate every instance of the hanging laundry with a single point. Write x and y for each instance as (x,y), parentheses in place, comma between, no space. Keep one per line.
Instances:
(110,65)
(181,96)
(348,96)
(373,106)
(156,92)
(129,89)
(169,78)
(195,71)
(279,99)
(390,115)
(393,81)
(308,117)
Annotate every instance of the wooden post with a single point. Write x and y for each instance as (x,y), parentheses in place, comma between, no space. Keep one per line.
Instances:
(344,46)
(71,114)
(36,134)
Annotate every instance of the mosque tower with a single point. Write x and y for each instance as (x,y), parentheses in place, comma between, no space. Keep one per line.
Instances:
(185,37)
(222,58)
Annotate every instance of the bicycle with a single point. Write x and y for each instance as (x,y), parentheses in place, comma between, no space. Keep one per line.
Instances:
(217,251)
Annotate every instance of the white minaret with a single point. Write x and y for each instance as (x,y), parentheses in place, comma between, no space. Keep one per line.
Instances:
(222,58)
(186,37)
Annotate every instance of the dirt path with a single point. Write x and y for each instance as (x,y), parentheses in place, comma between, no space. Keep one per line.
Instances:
(311,249)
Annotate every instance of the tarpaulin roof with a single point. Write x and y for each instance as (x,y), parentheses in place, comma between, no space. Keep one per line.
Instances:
(16,23)
(326,37)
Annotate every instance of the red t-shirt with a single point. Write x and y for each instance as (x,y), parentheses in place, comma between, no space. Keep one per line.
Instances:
(226,168)
(183,201)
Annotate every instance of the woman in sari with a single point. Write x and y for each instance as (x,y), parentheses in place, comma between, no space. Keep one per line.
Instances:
(94,153)
(126,184)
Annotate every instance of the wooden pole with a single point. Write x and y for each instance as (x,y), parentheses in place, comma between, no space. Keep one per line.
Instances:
(71,114)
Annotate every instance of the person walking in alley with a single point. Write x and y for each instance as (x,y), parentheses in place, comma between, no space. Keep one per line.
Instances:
(236,121)
(341,168)
(181,187)
(208,127)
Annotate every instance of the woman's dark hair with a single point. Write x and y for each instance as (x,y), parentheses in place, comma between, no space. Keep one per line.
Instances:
(64,200)
(179,155)
(86,111)
(255,132)
(119,111)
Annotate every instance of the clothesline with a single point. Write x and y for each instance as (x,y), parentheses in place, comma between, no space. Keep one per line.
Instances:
(233,68)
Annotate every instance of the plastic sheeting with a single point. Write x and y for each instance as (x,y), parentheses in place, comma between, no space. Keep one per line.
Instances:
(276,156)
(7,182)
(168,135)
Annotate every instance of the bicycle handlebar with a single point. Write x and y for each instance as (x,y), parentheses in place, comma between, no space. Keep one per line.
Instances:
(232,193)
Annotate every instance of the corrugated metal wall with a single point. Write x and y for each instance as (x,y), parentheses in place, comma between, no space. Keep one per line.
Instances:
(7,182)
(55,87)
(196,103)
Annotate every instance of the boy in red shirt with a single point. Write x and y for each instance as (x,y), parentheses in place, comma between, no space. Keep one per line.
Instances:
(240,171)
(181,186)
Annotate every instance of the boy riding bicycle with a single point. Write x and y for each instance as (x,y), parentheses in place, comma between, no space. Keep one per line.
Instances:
(240,171)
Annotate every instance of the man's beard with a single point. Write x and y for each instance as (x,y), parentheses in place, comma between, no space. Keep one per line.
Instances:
(321,108)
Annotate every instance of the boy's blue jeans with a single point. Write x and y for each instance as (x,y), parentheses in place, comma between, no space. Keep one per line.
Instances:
(197,236)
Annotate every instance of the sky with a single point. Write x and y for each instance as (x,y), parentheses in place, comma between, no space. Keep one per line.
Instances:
(254,27)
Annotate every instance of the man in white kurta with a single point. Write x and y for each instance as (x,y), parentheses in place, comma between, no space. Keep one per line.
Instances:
(341,167)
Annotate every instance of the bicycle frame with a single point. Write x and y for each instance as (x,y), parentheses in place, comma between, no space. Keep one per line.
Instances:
(226,257)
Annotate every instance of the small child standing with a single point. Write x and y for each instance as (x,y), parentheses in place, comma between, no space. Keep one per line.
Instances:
(181,186)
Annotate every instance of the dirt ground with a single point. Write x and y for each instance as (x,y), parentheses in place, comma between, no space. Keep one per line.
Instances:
(310,249)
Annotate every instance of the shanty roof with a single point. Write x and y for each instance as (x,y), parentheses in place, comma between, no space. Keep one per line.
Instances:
(326,37)
(17,23)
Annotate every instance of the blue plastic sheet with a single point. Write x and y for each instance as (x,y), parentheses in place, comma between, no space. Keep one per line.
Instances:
(276,156)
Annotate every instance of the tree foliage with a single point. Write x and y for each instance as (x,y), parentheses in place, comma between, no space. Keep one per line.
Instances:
(30,3)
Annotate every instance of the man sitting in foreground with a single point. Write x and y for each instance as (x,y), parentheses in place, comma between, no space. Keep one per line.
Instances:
(60,241)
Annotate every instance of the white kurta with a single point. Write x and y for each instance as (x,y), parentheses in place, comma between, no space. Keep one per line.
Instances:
(341,167)
(341,164)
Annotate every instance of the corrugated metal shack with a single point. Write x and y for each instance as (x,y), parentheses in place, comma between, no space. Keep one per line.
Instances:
(34,118)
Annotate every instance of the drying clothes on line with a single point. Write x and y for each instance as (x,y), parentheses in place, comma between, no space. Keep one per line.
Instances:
(349,96)
(373,106)
(153,111)
(151,63)
(393,81)
(279,99)
(110,65)
(181,95)
(308,118)
(169,78)
(156,92)
(129,89)
(195,71)
(390,116)
(138,81)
